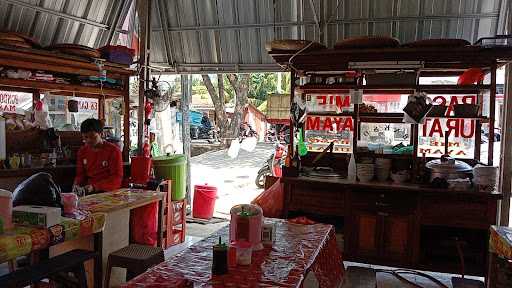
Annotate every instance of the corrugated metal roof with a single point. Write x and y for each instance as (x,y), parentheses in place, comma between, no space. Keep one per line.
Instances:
(229,35)
(85,22)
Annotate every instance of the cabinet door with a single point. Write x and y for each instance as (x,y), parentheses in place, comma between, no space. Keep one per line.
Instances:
(396,234)
(367,234)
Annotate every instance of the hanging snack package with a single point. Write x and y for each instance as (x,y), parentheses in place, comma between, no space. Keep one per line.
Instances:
(418,106)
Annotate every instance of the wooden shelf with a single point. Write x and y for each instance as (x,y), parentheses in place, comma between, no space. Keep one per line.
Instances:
(387,117)
(396,89)
(70,88)
(442,58)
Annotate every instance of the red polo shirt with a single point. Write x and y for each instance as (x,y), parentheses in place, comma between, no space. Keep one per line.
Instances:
(101,167)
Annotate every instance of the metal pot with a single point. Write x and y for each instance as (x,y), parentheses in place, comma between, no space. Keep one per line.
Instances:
(448,168)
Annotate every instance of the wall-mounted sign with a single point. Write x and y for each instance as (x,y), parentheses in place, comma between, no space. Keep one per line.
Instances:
(320,131)
(334,103)
(88,105)
(10,101)
(461,132)
(333,124)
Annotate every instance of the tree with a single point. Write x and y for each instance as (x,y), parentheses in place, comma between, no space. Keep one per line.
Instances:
(239,85)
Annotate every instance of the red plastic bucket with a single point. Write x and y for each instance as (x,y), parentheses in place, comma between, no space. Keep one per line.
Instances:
(140,169)
(204,201)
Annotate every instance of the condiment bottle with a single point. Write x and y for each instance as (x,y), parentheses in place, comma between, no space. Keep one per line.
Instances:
(288,159)
(296,160)
(220,258)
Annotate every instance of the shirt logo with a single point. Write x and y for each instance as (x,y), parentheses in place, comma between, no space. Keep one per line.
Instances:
(85,161)
(104,163)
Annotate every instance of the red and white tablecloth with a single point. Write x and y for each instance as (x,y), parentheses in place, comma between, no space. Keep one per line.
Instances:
(298,250)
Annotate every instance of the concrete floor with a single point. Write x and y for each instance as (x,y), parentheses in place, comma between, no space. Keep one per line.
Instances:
(234,178)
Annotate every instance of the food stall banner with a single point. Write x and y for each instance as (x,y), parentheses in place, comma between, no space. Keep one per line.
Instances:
(321,130)
(461,139)
(10,102)
(333,103)
(386,133)
(461,132)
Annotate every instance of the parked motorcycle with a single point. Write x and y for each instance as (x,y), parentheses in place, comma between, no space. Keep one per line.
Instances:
(273,165)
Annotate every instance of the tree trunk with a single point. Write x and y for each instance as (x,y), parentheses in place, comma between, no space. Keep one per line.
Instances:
(240,84)
(218,100)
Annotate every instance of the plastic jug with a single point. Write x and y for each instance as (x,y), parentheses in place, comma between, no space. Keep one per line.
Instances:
(6,208)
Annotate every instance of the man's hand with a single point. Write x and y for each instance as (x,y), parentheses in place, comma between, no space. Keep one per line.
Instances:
(89,189)
(79,191)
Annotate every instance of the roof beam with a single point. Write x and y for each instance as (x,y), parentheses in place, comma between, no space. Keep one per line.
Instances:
(123,7)
(334,22)
(161,10)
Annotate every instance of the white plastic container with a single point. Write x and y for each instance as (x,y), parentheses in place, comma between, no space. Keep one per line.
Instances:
(243,253)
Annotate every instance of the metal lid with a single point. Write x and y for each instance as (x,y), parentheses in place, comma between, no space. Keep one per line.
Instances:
(448,165)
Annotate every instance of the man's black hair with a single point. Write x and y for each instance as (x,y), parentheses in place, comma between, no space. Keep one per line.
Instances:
(91,125)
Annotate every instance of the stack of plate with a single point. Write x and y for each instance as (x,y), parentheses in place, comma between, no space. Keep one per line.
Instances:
(485,177)
(365,172)
(382,168)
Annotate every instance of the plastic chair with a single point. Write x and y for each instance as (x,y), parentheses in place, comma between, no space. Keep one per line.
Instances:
(135,258)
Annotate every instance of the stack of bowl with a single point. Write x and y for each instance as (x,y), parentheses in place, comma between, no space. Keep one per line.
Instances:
(382,168)
(400,176)
(485,178)
(365,172)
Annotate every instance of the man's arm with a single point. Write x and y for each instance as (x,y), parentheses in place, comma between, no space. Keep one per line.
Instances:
(80,169)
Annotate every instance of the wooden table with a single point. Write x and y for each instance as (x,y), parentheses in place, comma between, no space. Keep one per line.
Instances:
(298,250)
(29,240)
(117,206)
(500,255)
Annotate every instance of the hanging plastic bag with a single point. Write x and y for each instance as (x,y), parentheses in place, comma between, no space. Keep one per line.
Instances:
(41,116)
(39,189)
(249,144)
(271,200)
(234,148)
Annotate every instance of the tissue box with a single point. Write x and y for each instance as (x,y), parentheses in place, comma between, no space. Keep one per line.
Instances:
(37,216)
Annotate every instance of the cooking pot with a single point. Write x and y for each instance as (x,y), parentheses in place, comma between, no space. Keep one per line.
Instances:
(448,168)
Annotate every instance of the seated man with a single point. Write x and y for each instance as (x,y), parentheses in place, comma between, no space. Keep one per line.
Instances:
(99,163)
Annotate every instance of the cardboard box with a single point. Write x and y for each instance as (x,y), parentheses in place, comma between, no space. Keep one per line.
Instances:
(36,216)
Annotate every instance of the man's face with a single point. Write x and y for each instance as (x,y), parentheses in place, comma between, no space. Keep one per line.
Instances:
(91,138)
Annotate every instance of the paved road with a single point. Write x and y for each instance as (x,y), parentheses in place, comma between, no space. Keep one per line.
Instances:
(234,178)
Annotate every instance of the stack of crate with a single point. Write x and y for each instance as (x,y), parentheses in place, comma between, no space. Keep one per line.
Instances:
(175,219)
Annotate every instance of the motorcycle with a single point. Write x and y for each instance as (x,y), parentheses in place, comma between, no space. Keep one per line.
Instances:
(272,166)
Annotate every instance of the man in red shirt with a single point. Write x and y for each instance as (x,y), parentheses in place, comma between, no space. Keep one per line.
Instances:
(99,163)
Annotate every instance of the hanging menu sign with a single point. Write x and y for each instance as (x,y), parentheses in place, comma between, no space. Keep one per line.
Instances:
(333,103)
(461,132)
(10,101)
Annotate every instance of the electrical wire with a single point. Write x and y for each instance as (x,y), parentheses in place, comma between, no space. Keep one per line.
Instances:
(397,273)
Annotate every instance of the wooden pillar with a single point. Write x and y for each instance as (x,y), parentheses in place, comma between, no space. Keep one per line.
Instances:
(492,115)
(505,183)
(144,13)
(126,120)
(186,95)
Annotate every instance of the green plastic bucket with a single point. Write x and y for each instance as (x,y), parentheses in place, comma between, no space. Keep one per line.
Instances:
(172,167)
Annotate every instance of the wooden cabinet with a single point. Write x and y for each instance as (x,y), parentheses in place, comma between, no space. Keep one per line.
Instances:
(400,225)
(382,236)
